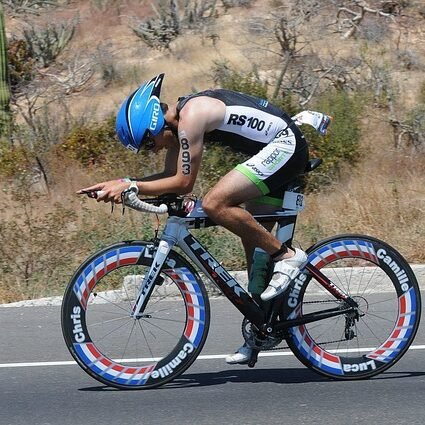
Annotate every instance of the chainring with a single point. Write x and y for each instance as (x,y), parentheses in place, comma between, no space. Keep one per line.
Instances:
(254,340)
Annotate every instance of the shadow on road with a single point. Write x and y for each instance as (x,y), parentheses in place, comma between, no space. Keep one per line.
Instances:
(276,376)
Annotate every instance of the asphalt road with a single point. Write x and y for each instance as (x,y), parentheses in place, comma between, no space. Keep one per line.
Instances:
(40,385)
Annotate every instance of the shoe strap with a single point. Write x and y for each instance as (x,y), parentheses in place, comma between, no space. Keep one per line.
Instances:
(282,250)
(284,268)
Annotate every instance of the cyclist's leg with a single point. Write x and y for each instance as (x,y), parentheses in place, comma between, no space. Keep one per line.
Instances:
(250,183)
(257,207)
(222,204)
(276,164)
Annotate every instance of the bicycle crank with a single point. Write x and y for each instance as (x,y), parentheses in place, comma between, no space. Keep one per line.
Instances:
(256,340)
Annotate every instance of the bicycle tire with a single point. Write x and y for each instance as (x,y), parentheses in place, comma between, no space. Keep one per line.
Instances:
(383,283)
(128,353)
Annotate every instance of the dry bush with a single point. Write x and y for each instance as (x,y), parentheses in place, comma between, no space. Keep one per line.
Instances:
(383,197)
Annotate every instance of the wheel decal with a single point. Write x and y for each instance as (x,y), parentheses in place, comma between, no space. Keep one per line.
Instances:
(88,278)
(402,331)
(321,358)
(111,370)
(343,249)
(311,351)
(195,303)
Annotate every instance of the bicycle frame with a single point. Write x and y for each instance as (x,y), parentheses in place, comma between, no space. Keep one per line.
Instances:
(176,232)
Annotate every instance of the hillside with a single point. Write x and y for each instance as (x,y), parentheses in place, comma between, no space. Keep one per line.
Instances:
(306,48)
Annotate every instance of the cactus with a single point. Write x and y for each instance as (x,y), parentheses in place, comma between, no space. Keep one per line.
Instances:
(28,6)
(160,31)
(4,81)
(45,44)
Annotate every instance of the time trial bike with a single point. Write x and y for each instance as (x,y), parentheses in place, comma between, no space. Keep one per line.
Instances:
(136,314)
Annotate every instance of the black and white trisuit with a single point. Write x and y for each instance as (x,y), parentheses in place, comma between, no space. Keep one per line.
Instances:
(254,126)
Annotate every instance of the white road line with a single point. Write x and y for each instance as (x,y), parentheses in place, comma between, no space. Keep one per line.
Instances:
(201,357)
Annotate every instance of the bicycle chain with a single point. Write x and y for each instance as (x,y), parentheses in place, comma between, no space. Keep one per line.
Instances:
(282,347)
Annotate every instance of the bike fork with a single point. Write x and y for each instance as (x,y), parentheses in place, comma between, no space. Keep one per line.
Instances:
(150,278)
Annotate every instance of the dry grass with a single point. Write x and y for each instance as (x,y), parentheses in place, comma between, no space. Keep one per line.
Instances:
(383,197)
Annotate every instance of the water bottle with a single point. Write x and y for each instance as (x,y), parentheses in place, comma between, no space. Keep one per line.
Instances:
(318,120)
(258,274)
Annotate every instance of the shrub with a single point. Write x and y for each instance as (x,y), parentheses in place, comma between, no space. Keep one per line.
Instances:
(341,145)
(170,20)
(29,6)
(89,144)
(228,78)
(14,160)
(160,31)
(21,64)
(95,145)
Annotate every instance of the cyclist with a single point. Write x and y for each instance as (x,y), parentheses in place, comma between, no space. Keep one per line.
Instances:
(246,123)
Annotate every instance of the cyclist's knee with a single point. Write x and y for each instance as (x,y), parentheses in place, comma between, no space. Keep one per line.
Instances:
(211,204)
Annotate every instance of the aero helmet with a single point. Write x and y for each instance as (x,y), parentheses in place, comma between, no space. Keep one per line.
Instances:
(140,114)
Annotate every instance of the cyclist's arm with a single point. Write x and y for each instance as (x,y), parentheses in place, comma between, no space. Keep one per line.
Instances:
(112,189)
(186,166)
(170,166)
(199,116)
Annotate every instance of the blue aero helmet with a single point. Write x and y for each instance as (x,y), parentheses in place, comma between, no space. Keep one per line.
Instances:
(140,115)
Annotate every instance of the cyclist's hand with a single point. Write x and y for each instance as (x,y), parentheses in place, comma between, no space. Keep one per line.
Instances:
(109,191)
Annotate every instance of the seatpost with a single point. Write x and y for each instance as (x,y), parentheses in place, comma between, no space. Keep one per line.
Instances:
(292,204)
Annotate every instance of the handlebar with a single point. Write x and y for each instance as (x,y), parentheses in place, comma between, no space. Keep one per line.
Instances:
(131,200)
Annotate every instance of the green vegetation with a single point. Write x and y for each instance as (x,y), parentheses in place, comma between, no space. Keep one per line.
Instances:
(14,160)
(340,147)
(90,144)
(94,145)
(4,81)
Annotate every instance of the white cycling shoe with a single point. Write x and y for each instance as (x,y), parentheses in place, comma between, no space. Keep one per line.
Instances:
(241,356)
(284,271)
